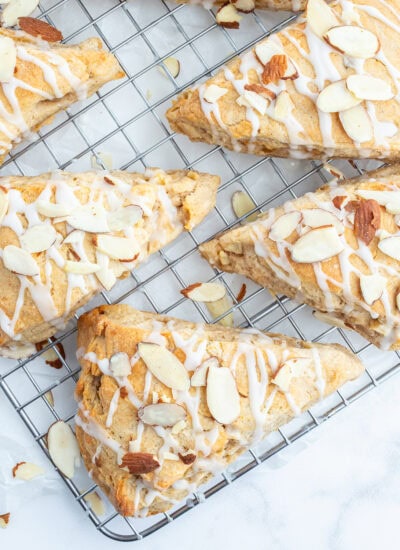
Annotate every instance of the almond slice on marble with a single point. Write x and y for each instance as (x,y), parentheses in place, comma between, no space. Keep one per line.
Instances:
(80,268)
(139,463)
(19,261)
(390,247)
(117,248)
(223,398)
(318,217)
(320,17)
(52,209)
(105,274)
(4,520)
(218,308)
(365,86)
(124,217)
(357,124)
(242,203)
(389,199)
(8,58)
(372,287)
(213,93)
(317,245)
(245,6)
(3,203)
(252,100)
(199,377)
(162,414)
(204,292)
(27,471)
(38,238)
(353,41)
(284,226)
(16,9)
(89,218)
(228,16)
(173,65)
(336,97)
(164,365)
(120,364)
(283,106)
(63,448)
(96,503)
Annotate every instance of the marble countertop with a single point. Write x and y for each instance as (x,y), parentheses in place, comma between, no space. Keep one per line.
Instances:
(335,489)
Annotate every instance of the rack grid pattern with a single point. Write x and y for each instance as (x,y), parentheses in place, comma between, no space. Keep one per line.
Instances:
(125,121)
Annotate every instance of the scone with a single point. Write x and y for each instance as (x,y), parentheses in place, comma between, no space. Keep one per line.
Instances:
(38,79)
(165,404)
(64,237)
(324,86)
(249,5)
(337,250)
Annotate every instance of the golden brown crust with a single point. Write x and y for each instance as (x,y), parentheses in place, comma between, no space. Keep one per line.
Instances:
(286,5)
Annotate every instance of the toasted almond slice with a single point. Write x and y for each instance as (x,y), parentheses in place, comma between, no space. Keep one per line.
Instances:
(204,292)
(336,97)
(223,398)
(292,368)
(105,274)
(372,287)
(389,199)
(4,520)
(320,17)
(284,226)
(89,218)
(80,268)
(335,173)
(16,9)
(242,203)
(357,124)
(96,503)
(162,414)
(390,247)
(365,86)
(353,41)
(38,238)
(117,248)
(218,308)
(120,364)
(49,398)
(173,65)
(329,319)
(52,210)
(254,101)
(283,106)
(245,6)
(3,203)
(63,448)
(165,366)
(317,245)
(178,427)
(266,50)
(75,237)
(139,463)
(199,377)
(213,93)
(317,217)
(19,261)
(27,471)
(228,16)
(8,58)
(124,217)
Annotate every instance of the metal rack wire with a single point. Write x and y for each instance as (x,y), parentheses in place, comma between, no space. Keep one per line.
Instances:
(126,119)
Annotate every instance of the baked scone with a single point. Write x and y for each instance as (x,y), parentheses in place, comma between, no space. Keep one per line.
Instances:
(65,237)
(324,86)
(288,5)
(38,79)
(164,404)
(337,250)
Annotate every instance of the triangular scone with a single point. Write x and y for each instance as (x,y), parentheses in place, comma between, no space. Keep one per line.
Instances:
(353,230)
(249,5)
(277,99)
(164,404)
(65,237)
(47,78)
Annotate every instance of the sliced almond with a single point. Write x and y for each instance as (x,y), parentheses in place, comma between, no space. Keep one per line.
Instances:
(367,220)
(320,17)
(19,261)
(139,463)
(105,274)
(390,247)
(124,217)
(245,6)
(357,124)
(335,173)
(16,9)
(228,16)
(283,106)
(173,65)
(63,448)
(389,199)
(317,245)
(49,398)
(8,58)
(117,248)
(353,41)
(38,238)
(75,237)
(365,86)
(213,93)
(52,210)
(27,471)
(120,364)
(318,217)
(218,308)
(265,51)
(223,398)
(336,97)
(284,226)
(178,427)
(199,377)
(89,218)
(165,366)
(4,520)
(80,268)
(96,503)
(204,292)
(242,203)
(372,287)
(162,414)
(254,101)
(38,28)
(292,368)
(3,203)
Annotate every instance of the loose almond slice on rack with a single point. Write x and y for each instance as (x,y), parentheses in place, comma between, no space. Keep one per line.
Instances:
(204,292)
(228,16)
(162,414)
(365,86)
(199,377)
(223,398)
(27,471)
(63,448)
(353,41)
(19,261)
(284,226)
(8,58)
(320,17)
(173,65)
(372,287)
(117,248)
(242,203)
(96,503)
(336,97)
(38,238)
(317,245)
(317,217)
(357,124)
(165,366)
(120,364)
(80,268)
(390,247)
(213,93)
(218,308)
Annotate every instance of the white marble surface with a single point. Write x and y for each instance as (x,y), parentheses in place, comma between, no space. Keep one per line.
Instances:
(336,489)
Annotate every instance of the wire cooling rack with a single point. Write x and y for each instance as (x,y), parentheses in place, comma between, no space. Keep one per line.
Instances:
(125,121)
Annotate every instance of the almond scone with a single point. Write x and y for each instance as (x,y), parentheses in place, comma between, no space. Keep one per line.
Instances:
(324,86)
(65,237)
(337,250)
(165,404)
